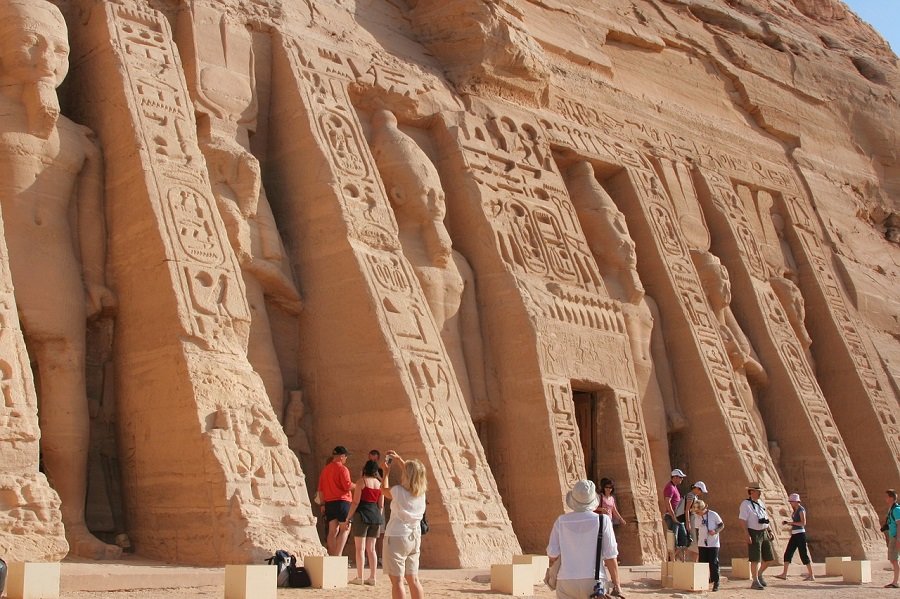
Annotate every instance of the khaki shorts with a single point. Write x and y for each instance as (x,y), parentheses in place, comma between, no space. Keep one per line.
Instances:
(893,552)
(760,549)
(400,556)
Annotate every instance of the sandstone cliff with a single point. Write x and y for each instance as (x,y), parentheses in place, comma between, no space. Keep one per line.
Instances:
(526,241)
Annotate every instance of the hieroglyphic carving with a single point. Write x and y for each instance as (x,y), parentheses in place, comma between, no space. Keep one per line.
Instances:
(216,315)
(752,454)
(457,459)
(569,457)
(595,132)
(204,322)
(804,392)
(536,229)
(886,424)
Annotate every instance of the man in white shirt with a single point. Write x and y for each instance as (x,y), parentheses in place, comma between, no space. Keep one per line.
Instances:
(756,520)
(708,525)
(574,540)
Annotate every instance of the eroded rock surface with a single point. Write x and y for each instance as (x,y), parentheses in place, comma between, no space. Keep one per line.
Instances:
(535,241)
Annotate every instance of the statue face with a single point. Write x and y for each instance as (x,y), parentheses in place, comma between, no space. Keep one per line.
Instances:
(33,44)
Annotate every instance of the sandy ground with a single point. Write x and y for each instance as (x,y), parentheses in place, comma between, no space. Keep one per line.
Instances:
(452,584)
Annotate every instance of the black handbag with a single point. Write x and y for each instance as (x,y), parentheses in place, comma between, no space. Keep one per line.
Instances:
(423,525)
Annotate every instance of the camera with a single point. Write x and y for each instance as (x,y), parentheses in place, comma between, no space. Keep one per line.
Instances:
(885,528)
(763,520)
(388,460)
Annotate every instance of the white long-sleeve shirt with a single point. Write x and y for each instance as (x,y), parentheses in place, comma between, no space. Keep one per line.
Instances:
(574,538)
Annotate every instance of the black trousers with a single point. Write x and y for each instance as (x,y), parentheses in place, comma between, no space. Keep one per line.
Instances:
(2,575)
(710,555)
(797,543)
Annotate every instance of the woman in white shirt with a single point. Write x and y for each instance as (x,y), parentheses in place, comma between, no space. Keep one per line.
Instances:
(574,540)
(708,525)
(403,535)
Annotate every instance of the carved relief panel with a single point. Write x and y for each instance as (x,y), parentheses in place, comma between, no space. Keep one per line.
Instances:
(216,314)
(804,392)
(457,459)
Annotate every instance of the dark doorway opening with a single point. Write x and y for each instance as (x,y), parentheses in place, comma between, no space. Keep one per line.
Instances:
(586,418)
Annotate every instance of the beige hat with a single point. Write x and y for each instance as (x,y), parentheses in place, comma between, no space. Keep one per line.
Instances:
(583,496)
(754,486)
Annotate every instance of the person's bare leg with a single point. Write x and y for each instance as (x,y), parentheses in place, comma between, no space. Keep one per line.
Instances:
(331,541)
(360,555)
(612,566)
(397,590)
(754,572)
(340,540)
(415,587)
(373,560)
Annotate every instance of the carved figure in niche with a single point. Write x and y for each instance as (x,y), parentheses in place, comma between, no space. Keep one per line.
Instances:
(784,283)
(46,163)
(224,90)
(416,194)
(751,376)
(614,250)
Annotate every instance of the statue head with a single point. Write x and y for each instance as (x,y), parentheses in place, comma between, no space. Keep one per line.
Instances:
(34,56)
(713,278)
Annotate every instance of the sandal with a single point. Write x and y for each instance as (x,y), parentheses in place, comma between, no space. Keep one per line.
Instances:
(781,576)
(892,585)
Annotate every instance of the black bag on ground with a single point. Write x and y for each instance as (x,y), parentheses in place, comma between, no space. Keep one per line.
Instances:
(290,575)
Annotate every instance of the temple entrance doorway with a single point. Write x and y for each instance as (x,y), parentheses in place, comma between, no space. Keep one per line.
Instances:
(586,418)
(594,429)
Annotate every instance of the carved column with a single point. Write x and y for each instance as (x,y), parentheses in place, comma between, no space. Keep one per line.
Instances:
(376,368)
(31,527)
(721,439)
(551,325)
(864,408)
(814,459)
(208,476)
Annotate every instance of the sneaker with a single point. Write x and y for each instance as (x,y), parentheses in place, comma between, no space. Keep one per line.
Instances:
(810,578)
(757,586)
(357,580)
(370,582)
(761,581)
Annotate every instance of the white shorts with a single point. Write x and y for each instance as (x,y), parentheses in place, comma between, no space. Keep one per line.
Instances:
(400,555)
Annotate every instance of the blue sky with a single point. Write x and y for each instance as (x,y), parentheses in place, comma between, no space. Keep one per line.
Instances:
(883,15)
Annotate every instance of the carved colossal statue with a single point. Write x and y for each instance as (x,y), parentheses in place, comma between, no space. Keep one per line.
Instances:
(415,192)
(47,162)
(614,250)
(744,361)
(222,82)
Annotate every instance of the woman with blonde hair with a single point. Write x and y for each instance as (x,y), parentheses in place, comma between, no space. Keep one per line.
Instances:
(403,534)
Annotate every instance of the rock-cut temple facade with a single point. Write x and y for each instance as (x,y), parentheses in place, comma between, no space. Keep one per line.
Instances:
(524,242)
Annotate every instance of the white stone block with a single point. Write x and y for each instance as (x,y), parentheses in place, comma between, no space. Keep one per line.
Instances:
(27,580)
(327,571)
(740,568)
(539,564)
(666,572)
(857,571)
(690,576)
(251,582)
(834,565)
(512,579)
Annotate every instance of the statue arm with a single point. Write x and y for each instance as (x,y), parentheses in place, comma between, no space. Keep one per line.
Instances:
(92,227)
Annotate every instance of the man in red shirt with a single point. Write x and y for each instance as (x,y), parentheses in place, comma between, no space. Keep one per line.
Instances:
(336,490)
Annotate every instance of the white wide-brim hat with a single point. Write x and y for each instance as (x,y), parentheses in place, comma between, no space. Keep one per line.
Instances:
(583,497)
(794,497)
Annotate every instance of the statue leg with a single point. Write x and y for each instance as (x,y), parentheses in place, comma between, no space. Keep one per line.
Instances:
(261,349)
(65,437)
